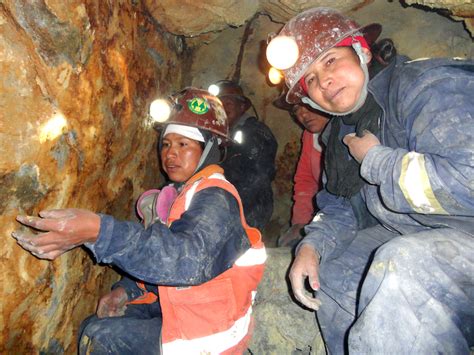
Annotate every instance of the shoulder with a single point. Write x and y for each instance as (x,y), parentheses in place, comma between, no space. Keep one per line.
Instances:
(254,124)
(428,72)
(218,197)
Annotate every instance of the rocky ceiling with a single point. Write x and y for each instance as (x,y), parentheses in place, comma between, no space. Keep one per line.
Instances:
(192,18)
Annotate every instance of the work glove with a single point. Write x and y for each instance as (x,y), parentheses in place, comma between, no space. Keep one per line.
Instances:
(292,236)
(62,230)
(305,266)
(154,205)
(113,304)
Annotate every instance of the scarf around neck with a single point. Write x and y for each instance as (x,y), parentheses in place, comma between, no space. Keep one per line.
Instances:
(343,176)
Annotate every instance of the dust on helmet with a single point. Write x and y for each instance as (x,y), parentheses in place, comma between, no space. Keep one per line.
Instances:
(315,31)
(198,108)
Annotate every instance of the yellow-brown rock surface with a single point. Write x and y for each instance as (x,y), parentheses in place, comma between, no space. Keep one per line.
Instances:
(76,81)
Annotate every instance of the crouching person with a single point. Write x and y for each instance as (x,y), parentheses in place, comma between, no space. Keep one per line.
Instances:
(193,265)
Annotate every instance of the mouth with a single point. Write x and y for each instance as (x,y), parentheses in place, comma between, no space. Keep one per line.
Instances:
(171,167)
(334,94)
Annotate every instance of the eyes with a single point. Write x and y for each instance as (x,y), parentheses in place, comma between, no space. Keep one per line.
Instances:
(330,61)
(320,68)
(180,144)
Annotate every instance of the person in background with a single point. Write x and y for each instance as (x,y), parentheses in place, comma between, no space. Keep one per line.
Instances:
(307,180)
(401,138)
(194,264)
(250,161)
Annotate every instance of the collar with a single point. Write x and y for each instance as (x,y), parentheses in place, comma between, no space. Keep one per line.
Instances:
(204,173)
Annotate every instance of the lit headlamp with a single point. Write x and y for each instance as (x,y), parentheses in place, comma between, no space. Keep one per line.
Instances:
(160,110)
(214,89)
(282,52)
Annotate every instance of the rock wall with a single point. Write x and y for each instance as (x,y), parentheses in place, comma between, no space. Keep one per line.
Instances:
(77,77)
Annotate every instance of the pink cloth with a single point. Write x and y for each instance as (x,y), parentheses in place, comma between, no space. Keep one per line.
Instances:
(307,180)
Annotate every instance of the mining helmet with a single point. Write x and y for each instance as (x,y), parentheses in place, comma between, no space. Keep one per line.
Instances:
(229,88)
(192,107)
(314,32)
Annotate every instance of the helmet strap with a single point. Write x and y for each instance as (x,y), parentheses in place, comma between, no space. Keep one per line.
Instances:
(209,153)
(363,94)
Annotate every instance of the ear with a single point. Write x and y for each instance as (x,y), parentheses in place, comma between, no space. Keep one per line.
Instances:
(366,55)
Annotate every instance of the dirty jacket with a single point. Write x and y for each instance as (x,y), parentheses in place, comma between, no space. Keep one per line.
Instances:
(307,178)
(250,167)
(213,317)
(202,244)
(422,174)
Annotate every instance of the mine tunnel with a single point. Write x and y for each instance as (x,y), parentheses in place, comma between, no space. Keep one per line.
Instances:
(78,78)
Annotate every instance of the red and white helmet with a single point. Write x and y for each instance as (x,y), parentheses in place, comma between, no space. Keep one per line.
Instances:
(196,108)
(315,31)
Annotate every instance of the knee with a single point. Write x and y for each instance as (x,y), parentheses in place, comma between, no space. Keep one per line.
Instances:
(400,250)
(401,257)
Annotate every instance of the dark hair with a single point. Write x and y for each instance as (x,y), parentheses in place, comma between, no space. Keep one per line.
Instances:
(384,51)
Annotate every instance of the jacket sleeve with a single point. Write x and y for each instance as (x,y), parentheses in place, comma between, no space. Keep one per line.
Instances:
(436,174)
(306,184)
(202,244)
(333,227)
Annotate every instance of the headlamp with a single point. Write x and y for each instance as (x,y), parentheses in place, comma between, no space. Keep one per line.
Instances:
(160,110)
(275,76)
(213,89)
(282,52)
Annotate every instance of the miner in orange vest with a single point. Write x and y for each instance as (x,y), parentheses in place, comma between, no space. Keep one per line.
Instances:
(193,265)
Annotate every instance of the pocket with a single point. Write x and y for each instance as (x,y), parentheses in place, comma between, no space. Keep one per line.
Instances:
(205,309)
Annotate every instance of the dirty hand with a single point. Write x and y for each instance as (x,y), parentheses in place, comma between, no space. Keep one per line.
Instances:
(113,304)
(291,236)
(359,146)
(64,229)
(305,265)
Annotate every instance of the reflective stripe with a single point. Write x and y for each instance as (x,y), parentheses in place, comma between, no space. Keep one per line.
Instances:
(217,176)
(189,195)
(212,344)
(253,256)
(192,190)
(416,187)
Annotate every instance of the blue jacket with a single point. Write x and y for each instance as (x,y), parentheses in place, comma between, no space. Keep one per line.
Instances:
(202,244)
(422,174)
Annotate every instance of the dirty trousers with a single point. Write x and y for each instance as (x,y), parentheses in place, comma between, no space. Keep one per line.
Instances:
(137,332)
(392,294)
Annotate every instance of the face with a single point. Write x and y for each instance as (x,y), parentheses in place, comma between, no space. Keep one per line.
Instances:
(234,108)
(312,121)
(335,80)
(179,156)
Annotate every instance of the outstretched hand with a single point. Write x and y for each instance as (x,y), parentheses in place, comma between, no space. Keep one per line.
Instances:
(306,265)
(63,230)
(360,146)
(113,304)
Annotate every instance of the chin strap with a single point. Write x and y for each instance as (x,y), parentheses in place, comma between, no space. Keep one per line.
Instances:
(210,144)
(363,94)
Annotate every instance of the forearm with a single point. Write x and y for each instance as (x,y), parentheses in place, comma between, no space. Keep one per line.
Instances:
(185,253)
(334,226)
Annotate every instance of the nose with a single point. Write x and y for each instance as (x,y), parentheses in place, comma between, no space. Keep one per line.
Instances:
(170,151)
(325,81)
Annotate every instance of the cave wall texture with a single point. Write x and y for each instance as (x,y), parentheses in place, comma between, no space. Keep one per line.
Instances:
(77,78)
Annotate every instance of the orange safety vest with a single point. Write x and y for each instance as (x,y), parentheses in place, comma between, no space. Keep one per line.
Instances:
(216,316)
